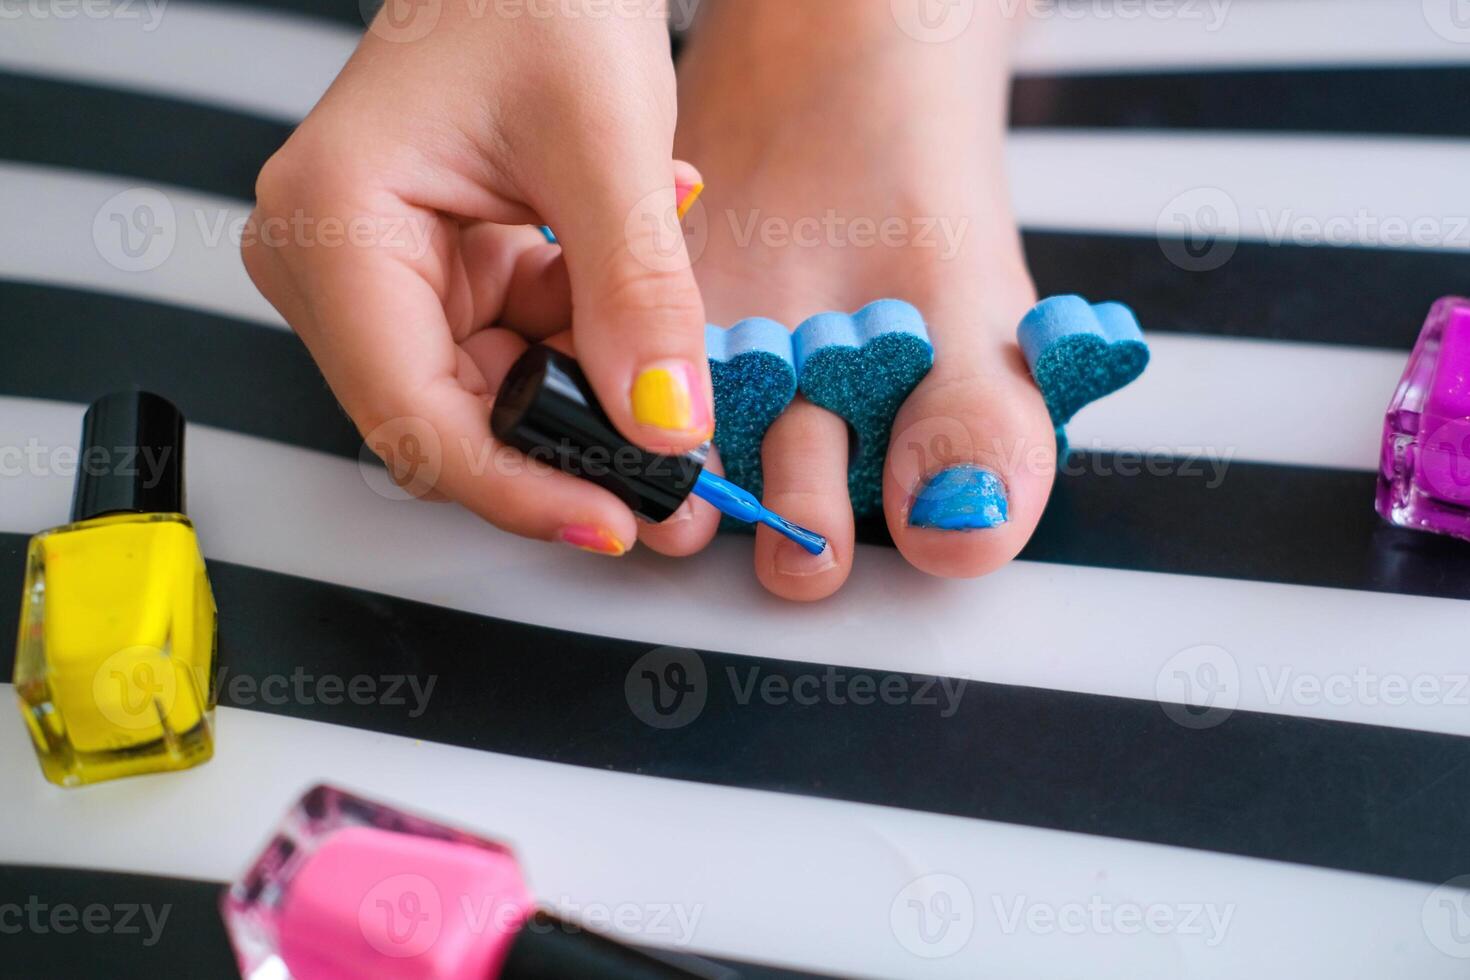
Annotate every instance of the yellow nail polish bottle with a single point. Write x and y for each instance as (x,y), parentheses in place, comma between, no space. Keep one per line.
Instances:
(115,656)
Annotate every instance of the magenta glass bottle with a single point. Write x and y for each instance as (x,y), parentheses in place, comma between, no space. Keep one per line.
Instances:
(1424,471)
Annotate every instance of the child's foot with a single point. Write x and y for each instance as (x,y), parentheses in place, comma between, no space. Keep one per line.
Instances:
(847,162)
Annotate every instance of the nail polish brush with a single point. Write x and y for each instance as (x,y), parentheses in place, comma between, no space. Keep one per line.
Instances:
(546,409)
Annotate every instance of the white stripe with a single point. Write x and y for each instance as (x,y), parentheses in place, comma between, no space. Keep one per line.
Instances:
(1229,399)
(1287,649)
(277,65)
(62,227)
(271,64)
(1186,403)
(766,877)
(1194,35)
(1299,190)
(1281,189)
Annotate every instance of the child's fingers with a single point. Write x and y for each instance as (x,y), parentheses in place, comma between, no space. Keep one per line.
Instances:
(518,280)
(638,320)
(377,329)
(538,297)
(691,527)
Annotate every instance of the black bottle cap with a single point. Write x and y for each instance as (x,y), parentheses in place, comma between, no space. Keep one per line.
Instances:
(131,457)
(546,409)
(548,949)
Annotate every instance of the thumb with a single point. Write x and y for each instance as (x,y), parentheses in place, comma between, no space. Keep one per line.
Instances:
(637,317)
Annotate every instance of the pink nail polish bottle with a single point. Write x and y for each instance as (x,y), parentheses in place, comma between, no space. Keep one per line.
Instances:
(348,888)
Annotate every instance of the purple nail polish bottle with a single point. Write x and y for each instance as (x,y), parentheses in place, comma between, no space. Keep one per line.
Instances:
(1424,473)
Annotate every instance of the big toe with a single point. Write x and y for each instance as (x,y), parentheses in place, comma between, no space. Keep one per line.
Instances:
(970,464)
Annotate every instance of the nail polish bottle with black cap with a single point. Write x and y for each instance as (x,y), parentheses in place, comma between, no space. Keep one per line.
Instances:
(117,623)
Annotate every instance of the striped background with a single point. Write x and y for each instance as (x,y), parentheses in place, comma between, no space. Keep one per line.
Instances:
(1242,565)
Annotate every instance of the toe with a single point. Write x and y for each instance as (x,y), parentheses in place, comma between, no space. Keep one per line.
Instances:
(970,464)
(804,459)
(689,528)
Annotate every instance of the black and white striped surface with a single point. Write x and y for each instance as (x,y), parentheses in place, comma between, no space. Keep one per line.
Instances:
(1216,529)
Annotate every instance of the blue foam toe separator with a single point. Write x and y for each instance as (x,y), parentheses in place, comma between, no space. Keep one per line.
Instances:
(754,375)
(862,366)
(1078,352)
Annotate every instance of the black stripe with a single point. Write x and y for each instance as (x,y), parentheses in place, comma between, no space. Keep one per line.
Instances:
(190,939)
(1268,786)
(1373,297)
(1299,525)
(1406,101)
(1289,525)
(1363,296)
(352,13)
(220,372)
(128,134)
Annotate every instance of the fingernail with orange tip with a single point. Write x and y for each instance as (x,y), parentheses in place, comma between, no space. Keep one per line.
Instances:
(668,395)
(590,537)
(687,194)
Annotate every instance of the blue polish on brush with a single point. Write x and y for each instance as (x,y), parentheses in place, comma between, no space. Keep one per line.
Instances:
(740,504)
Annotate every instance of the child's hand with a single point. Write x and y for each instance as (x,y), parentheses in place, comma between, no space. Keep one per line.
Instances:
(397,224)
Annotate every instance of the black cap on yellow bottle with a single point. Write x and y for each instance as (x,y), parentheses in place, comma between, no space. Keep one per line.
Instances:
(131,457)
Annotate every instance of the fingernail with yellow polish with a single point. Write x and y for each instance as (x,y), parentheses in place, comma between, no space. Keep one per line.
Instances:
(687,195)
(668,395)
(589,537)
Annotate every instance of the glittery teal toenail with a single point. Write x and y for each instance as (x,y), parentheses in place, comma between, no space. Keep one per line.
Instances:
(961,498)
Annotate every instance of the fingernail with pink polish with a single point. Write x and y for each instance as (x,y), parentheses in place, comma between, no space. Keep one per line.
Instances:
(686,195)
(590,537)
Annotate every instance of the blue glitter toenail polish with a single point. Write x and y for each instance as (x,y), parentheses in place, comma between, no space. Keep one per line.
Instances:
(961,498)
